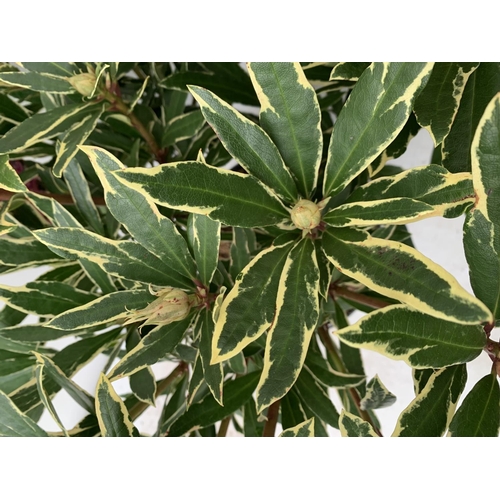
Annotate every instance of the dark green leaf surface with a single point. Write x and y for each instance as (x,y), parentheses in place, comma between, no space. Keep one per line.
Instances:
(348,70)
(39,82)
(353,426)
(304,429)
(9,179)
(142,382)
(290,114)
(376,396)
(232,198)
(24,252)
(182,127)
(479,414)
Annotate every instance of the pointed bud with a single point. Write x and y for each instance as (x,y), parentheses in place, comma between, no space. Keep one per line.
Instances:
(83,83)
(306,215)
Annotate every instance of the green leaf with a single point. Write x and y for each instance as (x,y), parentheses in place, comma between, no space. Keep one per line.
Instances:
(44,126)
(370,120)
(352,426)
(292,410)
(321,371)
(437,105)
(369,213)
(376,396)
(240,250)
(10,383)
(140,215)
(13,423)
(123,259)
(53,68)
(113,417)
(479,414)
(204,237)
(247,143)
(430,413)
(251,426)
(208,411)
(159,342)
(25,252)
(304,429)
(482,225)
(249,308)
(176,402)
(10,317)
(9,179)
(11,111)
(39,82)
(229,197)
(422,341)
(69,143)
(44,298)
(81,396)
(420,379)
(142,382)
(290,114)
(402,273)
(297,312)
(481,88)
(182,127)
(348,71)
(11,362)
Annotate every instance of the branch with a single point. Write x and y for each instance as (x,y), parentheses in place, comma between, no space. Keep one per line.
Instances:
(224,425)
(340,291)
(272,419)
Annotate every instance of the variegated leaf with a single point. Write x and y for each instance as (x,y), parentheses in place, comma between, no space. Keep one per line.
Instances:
(297,312)
(304,429)
(240,250)
(159,342)
(38,332)
(376,396)
(25,252)
(249,308)
(430,413)
(402,273)
(9,178)
(114,419)
(13,423)
(290,114)
(63,69)
(352,426)
(40,82)
(422,341)
(142,382)
(482,225)
(350,71)
(182,127)
(230,197)
(322,371)
(372,117)
(247,143)
(437,104)
(479,413)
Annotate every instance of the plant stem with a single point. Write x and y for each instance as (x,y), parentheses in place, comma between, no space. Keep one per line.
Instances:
(140,407)
(120,106)
(339,366)
(344,292)
(272,419)
(224,425)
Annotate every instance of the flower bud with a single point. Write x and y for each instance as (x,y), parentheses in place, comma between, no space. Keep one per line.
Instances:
(306,215)
(83,83)
(171,305)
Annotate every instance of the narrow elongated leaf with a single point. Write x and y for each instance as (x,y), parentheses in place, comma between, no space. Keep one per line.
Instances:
(249,308)
(10,383)
(372,117)
(230,197)
(322,372)
(113,417)
(482,226)
(44,298)
(251,426)
(213,373)
(182,127)
(208,411)
(13,423)
(479,414)
(437,105)
(11,110)
(81,396)
(352,426)
(292,410)
(142,382)
(204,236)
(431,184)
(9,179)
(159,342)
(368,213)
(11,362)
(247,143)
(105,309)
(297,312)
(16,346)
(420,379)
(39,82)
(430,413)
(305,429)
(422,341)
(290,114)
(348,71)
(240,250)
(53,68)
(140,216)
(25,252)
(402,273)
(124,259)
(10,317)
(44,126)
(481,87)
(70,360)
(376,396)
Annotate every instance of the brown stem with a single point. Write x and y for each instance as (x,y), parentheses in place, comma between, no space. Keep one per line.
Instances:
(224,425)
(272,419)
(339,366)
(140,407)
(120,106)
(63,199)
(341,291)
